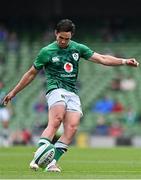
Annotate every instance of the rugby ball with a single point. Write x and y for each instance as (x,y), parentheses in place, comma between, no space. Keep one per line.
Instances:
(44,155)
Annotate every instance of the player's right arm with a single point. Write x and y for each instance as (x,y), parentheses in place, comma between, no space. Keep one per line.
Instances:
(26,79)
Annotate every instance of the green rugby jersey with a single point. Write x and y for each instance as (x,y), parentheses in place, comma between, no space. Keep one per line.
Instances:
(61,65)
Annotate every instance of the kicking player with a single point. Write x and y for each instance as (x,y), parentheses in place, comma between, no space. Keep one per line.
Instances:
(60,61)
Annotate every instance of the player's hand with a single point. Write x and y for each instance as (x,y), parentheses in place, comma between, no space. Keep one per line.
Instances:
(8,98)
(132,62)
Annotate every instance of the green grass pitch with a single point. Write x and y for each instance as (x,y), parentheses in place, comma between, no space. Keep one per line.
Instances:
(77,163)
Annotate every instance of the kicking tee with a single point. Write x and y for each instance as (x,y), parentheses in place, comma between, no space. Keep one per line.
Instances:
(61,65)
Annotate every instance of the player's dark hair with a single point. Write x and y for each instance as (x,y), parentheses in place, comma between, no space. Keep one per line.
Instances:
(65,25)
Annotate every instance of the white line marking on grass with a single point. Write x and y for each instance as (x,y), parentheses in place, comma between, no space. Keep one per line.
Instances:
(102,162)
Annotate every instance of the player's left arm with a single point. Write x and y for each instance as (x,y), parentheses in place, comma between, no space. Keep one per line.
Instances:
(109,60)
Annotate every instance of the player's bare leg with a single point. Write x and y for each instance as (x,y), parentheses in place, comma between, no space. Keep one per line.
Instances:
(71,123)
(56,115)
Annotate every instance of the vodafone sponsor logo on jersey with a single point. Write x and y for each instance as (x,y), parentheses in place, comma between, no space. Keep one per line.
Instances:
(68,67)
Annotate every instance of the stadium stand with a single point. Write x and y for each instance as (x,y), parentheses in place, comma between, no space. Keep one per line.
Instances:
(95,80)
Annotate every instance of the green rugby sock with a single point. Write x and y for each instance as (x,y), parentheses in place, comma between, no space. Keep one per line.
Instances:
(60,149)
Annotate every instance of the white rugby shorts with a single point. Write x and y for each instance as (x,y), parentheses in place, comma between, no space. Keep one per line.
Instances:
(67,98)
(4,114)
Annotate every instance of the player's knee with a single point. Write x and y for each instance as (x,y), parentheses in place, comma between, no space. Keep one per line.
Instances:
(70,132)
(57,120)
(73,128)
(59,117)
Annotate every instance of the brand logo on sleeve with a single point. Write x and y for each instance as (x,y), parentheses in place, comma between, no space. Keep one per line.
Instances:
(68,67)
(55,59)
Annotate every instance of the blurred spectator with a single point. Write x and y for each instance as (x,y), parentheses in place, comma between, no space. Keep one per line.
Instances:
(103,105)
(101,129)
(116,130)
(21,137)
(130,116)
(5,115)
(115,86)
(117,107)
(128,84)
(40,107)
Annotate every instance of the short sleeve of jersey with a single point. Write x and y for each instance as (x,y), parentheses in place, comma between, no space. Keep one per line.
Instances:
(41,59)
(85,51)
